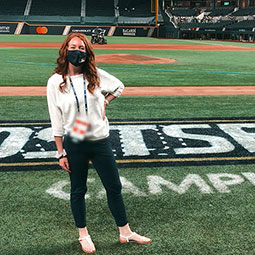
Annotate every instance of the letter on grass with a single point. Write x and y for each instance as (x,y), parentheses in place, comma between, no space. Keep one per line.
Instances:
(246,139)
(155,183)
(222,181)
(132,140)
(57,191)
(127,187)
(216,144)
(15,141)
(46,135)
(249,176)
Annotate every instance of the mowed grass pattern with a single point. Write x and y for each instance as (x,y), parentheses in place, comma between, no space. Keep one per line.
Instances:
(192,223)
(193,68)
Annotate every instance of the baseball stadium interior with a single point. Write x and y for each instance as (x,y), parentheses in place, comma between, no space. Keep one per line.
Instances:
(183,19)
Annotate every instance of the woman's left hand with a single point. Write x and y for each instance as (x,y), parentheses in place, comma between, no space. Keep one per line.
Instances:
(105,104)
(63,162)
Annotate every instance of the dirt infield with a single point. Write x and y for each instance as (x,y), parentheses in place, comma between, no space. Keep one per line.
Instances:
(144,91)
(131,59)
(135,46)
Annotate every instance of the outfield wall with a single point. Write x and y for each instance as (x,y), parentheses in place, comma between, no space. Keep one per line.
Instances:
(32,29)
(8,28)
(140,31)
(210,34)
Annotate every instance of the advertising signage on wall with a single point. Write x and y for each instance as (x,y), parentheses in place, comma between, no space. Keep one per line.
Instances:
(8,28)
(50,30)
(118,31)
(43,30)
(87,30)
(131,31)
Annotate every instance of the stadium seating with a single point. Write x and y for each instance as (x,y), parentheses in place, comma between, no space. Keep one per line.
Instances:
(129,13)
(141,8)
(184,12)
(99,12)
(55,8)
(188,25)
(58,20)
(100,8)
(205,26)
(221,11)
(246,24)
(12,7)
(244,12)
(136,21)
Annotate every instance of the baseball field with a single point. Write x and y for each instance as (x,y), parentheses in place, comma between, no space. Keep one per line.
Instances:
(186,161)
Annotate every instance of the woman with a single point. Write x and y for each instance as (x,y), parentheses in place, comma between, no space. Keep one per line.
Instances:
(77,95)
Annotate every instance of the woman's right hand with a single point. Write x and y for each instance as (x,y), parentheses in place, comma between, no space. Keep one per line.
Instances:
(63,162)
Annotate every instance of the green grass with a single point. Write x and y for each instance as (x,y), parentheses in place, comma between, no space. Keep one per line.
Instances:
(32,38)
(193,68)
(32,67)
(35,108)
(34,222)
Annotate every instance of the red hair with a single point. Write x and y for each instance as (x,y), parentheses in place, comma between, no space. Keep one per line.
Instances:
(88,68)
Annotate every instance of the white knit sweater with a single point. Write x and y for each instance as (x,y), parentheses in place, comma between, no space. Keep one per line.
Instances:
(63,107)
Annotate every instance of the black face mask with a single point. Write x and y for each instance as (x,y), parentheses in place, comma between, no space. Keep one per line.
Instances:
(76,57)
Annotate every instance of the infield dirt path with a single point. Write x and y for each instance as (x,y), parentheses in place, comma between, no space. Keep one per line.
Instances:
(144,91)
(135,46)
(141,91)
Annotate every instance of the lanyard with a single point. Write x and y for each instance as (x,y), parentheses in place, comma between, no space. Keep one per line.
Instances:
(85,95)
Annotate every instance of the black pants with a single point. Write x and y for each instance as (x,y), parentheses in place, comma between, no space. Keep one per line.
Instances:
(101,155)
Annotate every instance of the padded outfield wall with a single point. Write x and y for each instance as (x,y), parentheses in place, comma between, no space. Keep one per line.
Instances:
(25,28)
(142,31)
(247,35)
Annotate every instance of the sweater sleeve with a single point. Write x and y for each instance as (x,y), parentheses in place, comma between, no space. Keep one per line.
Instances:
(54,110)
(110,84)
